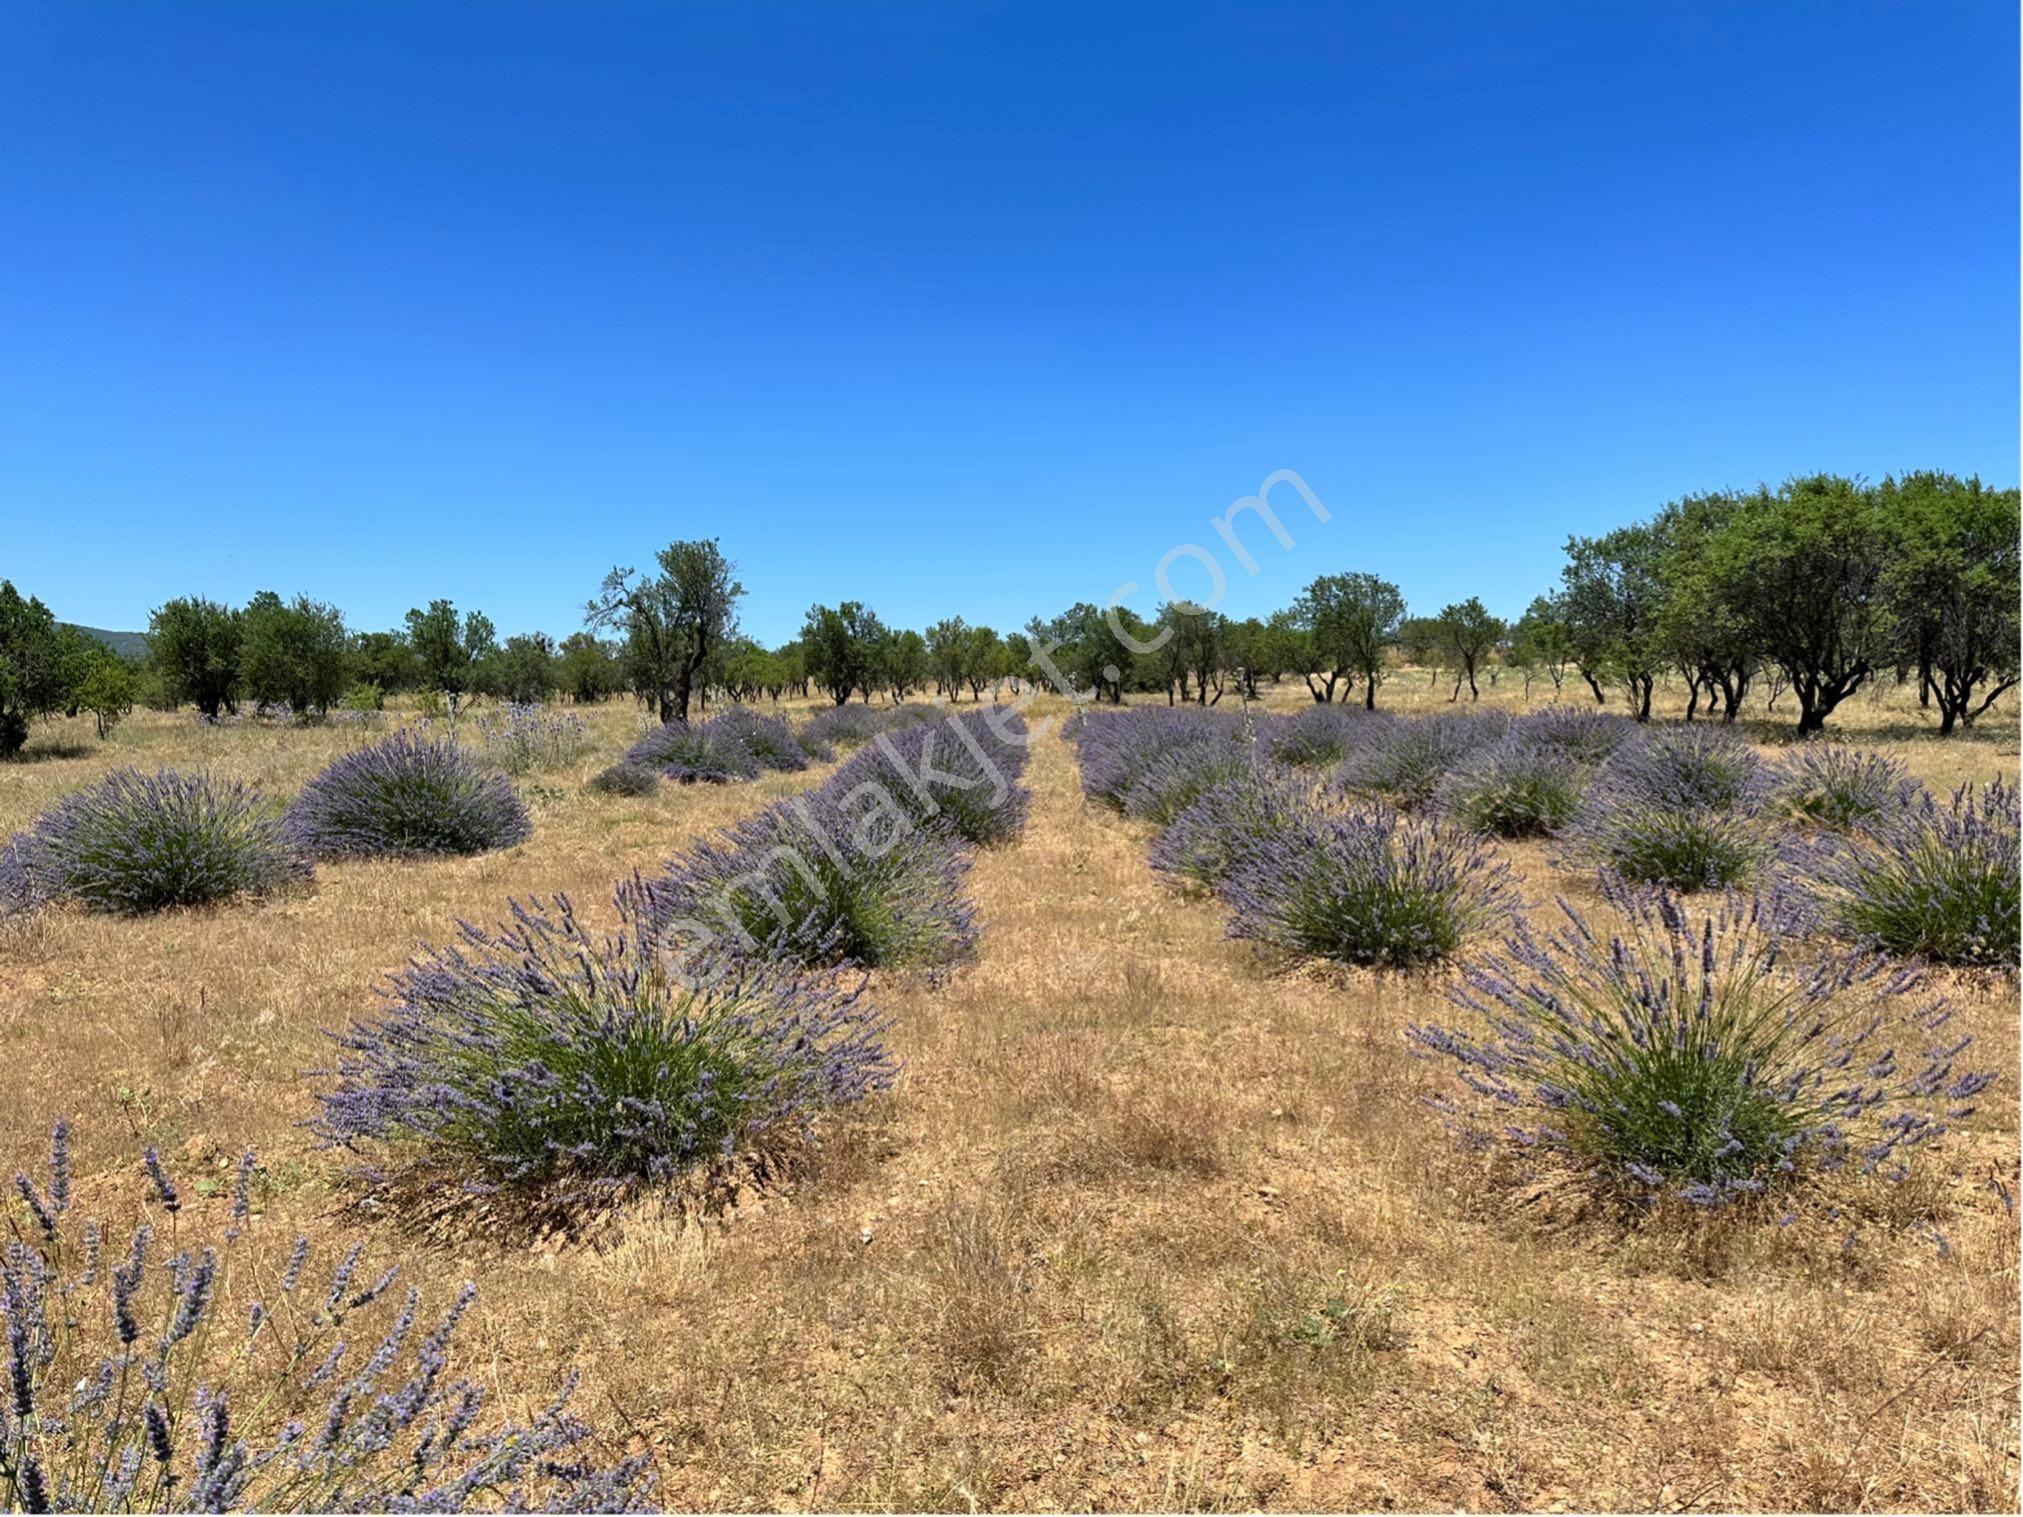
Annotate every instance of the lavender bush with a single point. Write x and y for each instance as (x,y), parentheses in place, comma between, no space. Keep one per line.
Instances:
(849,726)
(1520,788)
(1845,789)
(408,795)
(522,738)
(1681,807)
(1696,1059)
(768,739)
(1937,881)
(537,1053)
(960,777)
(1405,760)
(1584,735)
(1118,750)
(694,753)
(626,779)
(136,843)
(1366,886)
(820,880)
(1228,821)
(148,1378)
(1319,736)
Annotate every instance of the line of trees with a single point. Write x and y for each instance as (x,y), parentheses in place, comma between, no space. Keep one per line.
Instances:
(1817,588)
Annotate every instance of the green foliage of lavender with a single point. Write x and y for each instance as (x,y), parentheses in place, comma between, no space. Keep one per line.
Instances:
(156,1375)
(768,739)
(1681,807)
(1697,1057)
(1520,788)
(1939,881)
(521,738)
(1404,761)
(536,1052)
(1845,789)
(1318,737)
(1227,821)
(405,796)
(135,843)
(693,753)
(960,777)
(839,876)
(1365,885)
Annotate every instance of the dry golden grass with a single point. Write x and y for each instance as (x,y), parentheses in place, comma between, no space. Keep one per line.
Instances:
(1143,1224)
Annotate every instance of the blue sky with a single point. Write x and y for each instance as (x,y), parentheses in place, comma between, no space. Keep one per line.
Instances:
(968,308)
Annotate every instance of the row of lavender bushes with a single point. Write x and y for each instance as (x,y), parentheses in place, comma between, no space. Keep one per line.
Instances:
(725,1012)
(533,1054)
(741,743)
(134,843)
(1706,1055)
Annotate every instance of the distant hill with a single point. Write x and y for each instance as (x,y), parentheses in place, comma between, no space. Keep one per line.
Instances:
(125,644)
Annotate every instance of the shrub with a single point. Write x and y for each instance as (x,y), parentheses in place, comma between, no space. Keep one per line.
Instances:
(1116,750)
(1583,735)
(820,882)
(1227,821)
(407,795)
(1404,761)
(625,779)
(140,1379)
(960,777)
(841,727)
(1366,886)
(363,696)
(1681,807)
(522,738)
(1694,1060)
(1319,736)
(136,843)
(768,739)
(1937,881)
(1177,774)
(537,1053)
(1845,789)
(1518,789)
(693,753)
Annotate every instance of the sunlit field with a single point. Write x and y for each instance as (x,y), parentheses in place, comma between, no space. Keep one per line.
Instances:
(1148,1219)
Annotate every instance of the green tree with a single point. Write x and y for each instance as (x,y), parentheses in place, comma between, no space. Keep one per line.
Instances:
(949,653)
(840,645)
(37,673)
(449,652)
(194,646)
(1805,566)
(1078,651)
(1353,619)
(1612,592)
(1699,627)
(524,669)
(587,667)
(673,621)
(1541,643)
(385,660)
(106,689)
(1470,633)
(902,662)
(1952,587)
(298,653)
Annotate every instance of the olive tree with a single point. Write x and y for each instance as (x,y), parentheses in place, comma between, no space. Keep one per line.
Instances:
(673,621)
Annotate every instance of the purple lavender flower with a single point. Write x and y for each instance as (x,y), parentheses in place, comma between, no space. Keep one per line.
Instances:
(1846,789)
(1318,736)
(693,753)
(535,1052)
(1118,750)
(1583,734)
(1228,821)
(1366,886)
(82,1431)
(841,875)
(960,777)
(1517,788)
(1680,807)
(406,796)
(1935,881)
(136,843)
(768,739)
(1405,760)
(1695,1056)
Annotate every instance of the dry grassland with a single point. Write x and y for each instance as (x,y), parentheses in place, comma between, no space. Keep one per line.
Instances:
(1146,1223)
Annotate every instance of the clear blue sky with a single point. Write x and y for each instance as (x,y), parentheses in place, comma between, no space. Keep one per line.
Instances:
(968,308)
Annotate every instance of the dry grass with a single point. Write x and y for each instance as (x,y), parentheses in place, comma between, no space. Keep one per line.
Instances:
(1142,1225)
